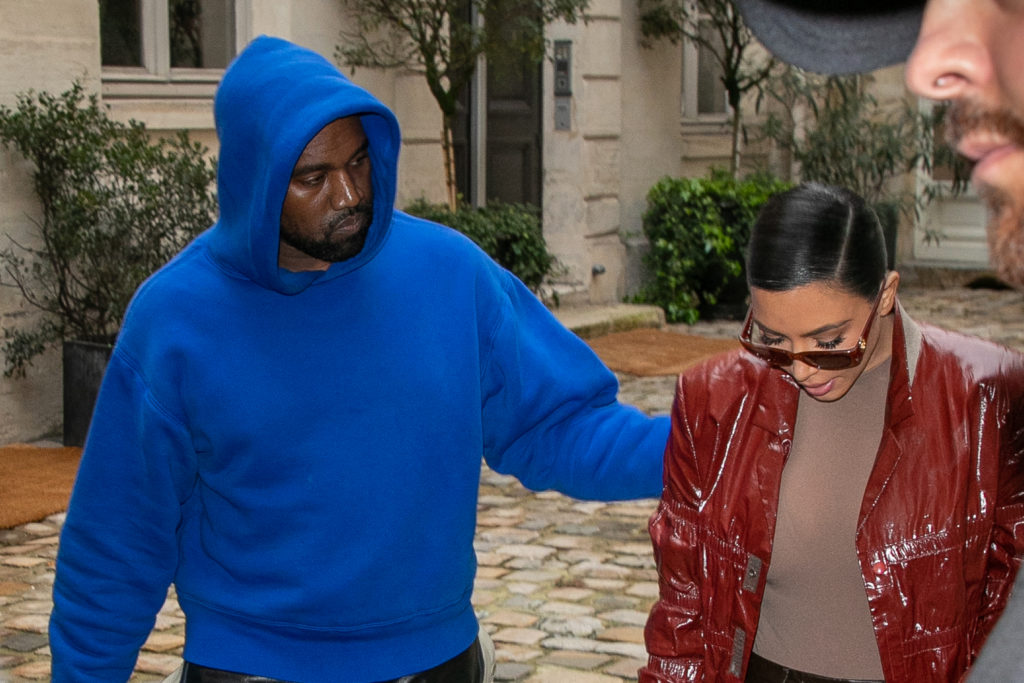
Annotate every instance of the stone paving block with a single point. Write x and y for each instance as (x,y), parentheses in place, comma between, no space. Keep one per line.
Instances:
(510,652)
(519,636)
(44,540)
(33,623)
(565,608)
(23,642)
(625,616)
(571,626)
(532,576)
(511,671)
(624,634)
(35,671)
(23,561)
(168,621)
(17,549)
(522,588)
(8,662)
(32,607)
(589,507)
(634,561)
(599,584)
(511,618)
(634,650)
(489,559)
(38,529)
(578,529)
(644,589)
(576,660)
(570,593)
(599,570)
(157,663)
(606,603)
(566,541)
(483,598)
(582,555)
(163,642)
(559,674)
(13,587)
(625,668)
(643,549)
(490,572)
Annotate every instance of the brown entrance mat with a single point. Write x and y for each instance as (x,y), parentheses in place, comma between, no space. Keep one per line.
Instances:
(649,352)
(35,482)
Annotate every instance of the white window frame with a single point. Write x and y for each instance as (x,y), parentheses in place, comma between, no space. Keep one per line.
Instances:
(155,78)
(691,88)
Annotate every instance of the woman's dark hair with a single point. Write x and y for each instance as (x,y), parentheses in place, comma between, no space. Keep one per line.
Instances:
(817,233)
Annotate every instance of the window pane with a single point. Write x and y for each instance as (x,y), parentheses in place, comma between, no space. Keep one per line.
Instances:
(120,41)
(710,89)
(202,33)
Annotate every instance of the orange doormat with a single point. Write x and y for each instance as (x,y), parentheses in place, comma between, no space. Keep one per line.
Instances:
(648,352)
(35,482)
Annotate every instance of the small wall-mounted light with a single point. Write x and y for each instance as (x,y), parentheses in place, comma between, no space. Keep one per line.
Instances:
(597,269)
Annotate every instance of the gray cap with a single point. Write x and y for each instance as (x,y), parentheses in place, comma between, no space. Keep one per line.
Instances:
(835,37)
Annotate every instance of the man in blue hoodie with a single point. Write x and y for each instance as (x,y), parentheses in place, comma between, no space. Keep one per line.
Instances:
(291,426)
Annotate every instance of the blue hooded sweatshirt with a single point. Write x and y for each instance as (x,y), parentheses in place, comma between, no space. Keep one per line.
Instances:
(299,452)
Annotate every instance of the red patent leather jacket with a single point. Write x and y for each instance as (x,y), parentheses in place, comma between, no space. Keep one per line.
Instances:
(941,527)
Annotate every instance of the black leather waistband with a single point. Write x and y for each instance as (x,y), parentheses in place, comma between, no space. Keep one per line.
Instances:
(761,670)
(466,667)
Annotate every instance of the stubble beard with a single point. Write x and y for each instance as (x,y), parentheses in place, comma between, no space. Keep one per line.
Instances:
(1005,202)
(325,246)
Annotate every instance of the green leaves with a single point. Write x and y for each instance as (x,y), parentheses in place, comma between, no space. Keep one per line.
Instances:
(698,229)
(510,234)
(115,207)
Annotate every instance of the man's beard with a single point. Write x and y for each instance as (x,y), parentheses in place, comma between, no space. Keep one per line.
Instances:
(325,246)
(1006,201)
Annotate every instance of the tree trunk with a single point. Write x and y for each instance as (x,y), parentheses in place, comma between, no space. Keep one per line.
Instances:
(449,162)
(737,129)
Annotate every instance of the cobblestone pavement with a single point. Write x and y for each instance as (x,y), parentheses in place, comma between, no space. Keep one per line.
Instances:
(563,586)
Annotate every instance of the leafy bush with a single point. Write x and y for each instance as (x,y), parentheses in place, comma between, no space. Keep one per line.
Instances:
(510,234)
(698,229)
(115,207)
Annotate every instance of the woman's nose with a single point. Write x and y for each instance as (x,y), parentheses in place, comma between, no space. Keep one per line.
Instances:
(951,58)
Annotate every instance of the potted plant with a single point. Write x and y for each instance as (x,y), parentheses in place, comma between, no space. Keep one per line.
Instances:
(115,206)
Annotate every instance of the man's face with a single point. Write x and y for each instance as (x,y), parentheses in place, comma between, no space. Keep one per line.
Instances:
(328,208)
(971,53)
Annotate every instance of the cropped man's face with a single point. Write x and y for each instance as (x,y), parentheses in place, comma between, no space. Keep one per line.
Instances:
(328,207)
(971,53)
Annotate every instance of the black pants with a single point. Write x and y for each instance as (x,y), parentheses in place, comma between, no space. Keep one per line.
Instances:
(467,667)
(761,670)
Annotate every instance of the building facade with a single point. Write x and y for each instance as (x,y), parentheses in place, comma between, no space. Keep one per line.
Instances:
(584,136)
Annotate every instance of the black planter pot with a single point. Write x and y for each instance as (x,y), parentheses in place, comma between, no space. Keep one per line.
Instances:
(84,364)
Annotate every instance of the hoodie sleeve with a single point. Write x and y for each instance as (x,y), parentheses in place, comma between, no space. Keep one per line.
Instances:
(118,548)
(550,414)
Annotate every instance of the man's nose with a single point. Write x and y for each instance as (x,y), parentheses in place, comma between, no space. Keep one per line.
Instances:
(951,58)
(345,192)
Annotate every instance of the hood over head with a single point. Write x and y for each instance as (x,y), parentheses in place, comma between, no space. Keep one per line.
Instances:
(274,98)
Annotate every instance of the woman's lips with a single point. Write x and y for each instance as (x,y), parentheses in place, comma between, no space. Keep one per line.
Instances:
(819,389)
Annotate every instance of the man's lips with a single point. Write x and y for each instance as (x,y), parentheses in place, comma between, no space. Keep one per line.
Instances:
(986,150)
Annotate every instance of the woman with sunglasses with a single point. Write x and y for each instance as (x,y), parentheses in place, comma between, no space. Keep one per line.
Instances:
(844,496)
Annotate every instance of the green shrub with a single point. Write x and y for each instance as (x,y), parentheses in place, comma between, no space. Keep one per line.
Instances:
(115,207)
(510,234)
(698,229)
